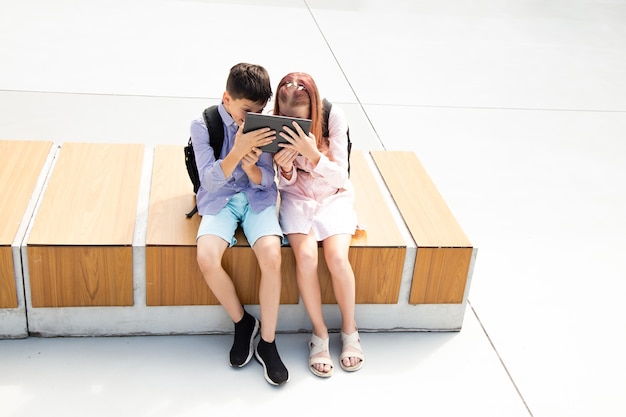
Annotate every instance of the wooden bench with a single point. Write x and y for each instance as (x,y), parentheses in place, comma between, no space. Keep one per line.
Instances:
(444,253)
(21,164)
(80,245)
(173,277)
(109,250)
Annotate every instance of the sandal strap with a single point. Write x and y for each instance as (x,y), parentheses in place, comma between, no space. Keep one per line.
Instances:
(351,346)
(323,360)
(318,345)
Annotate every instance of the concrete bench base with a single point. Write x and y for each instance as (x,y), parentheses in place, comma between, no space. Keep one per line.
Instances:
(211,319)
(13,323)
(128,321)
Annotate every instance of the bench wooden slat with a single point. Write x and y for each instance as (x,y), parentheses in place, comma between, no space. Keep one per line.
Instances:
(81,276)
(414,192)
(377,253)
(444,251)
(172,274)
(8,294)
(171,196)
(440,275)
(21,163)
(80,246)
(173,277)
(20,166)
(371,207)
(91,198)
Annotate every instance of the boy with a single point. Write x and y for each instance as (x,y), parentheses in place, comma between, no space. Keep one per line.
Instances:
(239,188)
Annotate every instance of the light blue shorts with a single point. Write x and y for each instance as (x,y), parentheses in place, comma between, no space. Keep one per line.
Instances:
(236,212)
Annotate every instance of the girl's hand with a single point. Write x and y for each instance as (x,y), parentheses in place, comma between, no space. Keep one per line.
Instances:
(284,158)
(301,143)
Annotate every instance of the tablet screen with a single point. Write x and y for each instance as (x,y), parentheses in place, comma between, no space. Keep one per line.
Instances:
(256,121)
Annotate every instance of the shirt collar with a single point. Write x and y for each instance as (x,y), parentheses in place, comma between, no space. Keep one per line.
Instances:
(227,118)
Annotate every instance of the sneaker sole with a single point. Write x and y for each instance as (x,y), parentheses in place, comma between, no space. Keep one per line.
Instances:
(265,374)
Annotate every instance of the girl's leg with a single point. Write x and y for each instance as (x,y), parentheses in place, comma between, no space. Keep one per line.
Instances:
(336,254)
(305,250)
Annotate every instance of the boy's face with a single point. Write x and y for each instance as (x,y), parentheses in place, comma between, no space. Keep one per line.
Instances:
(238,107)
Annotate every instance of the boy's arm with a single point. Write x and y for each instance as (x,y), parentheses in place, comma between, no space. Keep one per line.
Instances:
(265,171)
(230,161)
(249,166)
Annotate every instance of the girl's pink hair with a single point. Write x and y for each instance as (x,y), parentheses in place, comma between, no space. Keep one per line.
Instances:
(296,89)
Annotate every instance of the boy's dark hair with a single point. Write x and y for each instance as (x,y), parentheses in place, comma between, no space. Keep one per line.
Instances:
(249,81)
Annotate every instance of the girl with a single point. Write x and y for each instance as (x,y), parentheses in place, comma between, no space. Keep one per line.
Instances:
(317,205)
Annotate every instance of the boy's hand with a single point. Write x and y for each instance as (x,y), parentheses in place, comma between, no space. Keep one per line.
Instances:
(250,159)
(246,142)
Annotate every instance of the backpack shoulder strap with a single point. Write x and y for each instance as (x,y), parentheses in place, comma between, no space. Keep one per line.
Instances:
(327,105)
(214,125)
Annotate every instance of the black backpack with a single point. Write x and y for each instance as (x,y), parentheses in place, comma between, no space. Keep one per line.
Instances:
(214,124)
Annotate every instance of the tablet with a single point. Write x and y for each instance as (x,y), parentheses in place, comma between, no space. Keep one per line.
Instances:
(256,121)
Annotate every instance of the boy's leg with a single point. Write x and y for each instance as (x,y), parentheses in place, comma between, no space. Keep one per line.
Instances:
(264,234)
(214,236)
(267,251)
(210,252)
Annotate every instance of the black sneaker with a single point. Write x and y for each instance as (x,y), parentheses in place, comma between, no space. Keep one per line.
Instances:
(245,332)
(267,355)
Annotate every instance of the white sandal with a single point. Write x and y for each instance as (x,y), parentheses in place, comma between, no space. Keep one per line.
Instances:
(351,349)
(318,345)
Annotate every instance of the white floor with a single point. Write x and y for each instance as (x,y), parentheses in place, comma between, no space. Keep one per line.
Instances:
(516,108)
